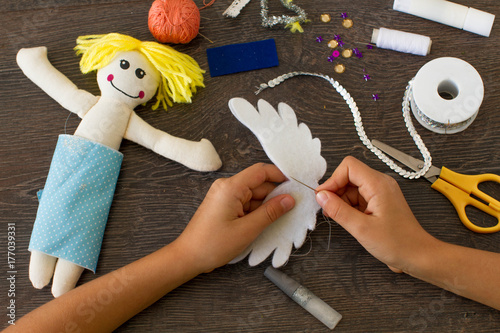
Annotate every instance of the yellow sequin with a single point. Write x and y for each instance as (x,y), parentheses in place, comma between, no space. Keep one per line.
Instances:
(347,53)
(339,68)
(333,44)
(325,18)
(347,23)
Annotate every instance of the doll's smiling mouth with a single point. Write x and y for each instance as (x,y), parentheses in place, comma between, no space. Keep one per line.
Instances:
(110,79)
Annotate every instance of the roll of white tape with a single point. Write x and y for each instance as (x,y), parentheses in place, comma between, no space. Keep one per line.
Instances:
(446,95)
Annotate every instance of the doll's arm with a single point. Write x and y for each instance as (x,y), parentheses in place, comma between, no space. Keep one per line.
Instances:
(37,67)
(200,156)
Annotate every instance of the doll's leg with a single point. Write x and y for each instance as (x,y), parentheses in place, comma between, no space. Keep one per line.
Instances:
(41,268)
(66,276)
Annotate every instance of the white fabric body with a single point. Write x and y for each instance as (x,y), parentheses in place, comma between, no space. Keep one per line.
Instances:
(291,147)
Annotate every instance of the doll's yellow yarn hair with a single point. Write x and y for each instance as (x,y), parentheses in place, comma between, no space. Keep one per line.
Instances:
(180,74)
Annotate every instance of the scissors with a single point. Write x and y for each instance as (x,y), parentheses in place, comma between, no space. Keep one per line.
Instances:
(455,186)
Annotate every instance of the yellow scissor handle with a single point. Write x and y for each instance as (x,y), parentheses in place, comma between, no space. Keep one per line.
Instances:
(457,188)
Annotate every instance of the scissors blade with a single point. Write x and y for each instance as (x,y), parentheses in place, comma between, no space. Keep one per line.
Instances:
(413,163)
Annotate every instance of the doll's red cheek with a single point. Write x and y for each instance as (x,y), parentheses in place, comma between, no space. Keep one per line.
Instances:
(110,77)
(141,94)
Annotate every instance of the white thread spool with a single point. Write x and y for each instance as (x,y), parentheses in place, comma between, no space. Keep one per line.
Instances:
(447,94)
(401,41)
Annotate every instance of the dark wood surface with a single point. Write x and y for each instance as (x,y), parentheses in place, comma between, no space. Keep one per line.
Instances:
(156,197)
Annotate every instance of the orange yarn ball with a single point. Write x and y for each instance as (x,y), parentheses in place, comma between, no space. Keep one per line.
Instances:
(174,21)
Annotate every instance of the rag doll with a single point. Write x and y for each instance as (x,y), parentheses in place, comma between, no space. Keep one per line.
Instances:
(75,202)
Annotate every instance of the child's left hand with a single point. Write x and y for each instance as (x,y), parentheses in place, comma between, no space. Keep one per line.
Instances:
(232,216)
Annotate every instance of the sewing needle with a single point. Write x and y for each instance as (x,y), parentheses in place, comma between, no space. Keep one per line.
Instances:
(298,181)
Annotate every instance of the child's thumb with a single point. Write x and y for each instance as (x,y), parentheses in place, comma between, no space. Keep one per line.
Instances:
(337,209)
(273,209)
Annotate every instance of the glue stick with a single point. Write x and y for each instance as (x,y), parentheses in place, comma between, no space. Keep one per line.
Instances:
(449,13)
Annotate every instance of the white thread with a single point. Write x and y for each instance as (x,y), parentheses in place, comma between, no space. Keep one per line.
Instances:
(66,123)
(329,221)
(308,238)
(401,41)
(358,123)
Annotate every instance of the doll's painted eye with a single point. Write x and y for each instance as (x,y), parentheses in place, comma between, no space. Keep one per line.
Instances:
(140,73)
(124,64)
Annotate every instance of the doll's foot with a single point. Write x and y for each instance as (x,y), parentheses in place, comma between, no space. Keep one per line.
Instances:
(41,269)
(66,275)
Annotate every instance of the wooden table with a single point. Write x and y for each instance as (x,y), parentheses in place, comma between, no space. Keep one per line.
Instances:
(156,197)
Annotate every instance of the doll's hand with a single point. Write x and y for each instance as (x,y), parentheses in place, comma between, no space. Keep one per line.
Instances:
(29,57)
(232,216)
(37,67)
(208,159)
(33,52)
(197,155)
(371,206)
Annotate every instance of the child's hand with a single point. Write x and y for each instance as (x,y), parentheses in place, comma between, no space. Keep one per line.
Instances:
(371,206)
(233,215)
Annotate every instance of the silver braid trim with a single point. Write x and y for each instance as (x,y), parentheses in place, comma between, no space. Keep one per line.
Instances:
(358,123)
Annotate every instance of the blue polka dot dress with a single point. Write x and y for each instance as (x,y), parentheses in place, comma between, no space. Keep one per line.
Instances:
(75,202)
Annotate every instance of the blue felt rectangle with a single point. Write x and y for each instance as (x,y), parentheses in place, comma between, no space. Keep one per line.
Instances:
(242,57)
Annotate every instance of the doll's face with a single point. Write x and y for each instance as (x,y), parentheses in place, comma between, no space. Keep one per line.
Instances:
(130,78)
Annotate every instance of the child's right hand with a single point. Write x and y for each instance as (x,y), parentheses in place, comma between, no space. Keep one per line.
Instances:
(371,207)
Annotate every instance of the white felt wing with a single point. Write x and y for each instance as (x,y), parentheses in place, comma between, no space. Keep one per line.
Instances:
(291,147)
